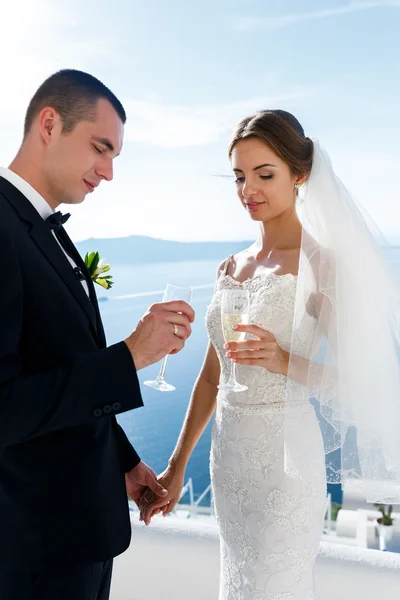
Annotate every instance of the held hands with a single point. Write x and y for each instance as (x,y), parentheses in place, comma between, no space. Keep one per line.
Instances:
(263,352)
(139,480)
(163,330)
(152,503)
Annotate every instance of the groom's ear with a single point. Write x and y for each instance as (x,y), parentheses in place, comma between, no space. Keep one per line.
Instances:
(49,120)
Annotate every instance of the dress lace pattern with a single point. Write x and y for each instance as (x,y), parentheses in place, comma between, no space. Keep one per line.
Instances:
(270,517)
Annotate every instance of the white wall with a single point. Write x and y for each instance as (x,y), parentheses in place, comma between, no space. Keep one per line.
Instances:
(176,559)
(349,573)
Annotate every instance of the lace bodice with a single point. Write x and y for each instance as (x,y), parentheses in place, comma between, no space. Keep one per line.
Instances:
(272,302)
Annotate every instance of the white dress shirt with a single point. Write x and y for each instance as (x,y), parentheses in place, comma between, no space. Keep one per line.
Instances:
(39,203)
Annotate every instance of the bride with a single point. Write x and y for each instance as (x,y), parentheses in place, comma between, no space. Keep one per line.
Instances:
(324,326)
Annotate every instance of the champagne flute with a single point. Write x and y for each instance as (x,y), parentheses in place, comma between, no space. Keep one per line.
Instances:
(235,305)
(172,292)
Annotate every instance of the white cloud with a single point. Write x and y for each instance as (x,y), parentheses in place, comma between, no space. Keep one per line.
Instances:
(37,39)
(157,124)
(278,22)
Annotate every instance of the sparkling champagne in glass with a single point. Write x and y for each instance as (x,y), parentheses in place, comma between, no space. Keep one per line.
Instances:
(235,305)
(172,292)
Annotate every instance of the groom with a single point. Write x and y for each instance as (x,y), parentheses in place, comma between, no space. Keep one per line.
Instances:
(66,465)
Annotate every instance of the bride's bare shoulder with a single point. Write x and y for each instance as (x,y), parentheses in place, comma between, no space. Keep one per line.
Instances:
(321,261)
(232,261)
(223,266)
(320,258)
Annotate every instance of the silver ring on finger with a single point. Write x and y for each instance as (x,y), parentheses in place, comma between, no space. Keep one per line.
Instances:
(176,329)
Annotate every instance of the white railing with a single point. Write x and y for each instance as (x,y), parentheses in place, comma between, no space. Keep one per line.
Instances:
(188,487)
(328,514)
(194,508)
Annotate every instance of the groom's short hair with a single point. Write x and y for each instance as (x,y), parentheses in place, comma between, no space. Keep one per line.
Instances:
(74,95)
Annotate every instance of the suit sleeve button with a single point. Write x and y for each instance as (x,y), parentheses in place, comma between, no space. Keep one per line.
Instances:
(97,412)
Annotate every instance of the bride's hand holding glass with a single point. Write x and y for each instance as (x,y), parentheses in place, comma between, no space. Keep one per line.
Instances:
(235,306)
(262,352)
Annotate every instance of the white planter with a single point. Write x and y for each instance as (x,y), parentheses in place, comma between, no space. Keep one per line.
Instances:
(385,534)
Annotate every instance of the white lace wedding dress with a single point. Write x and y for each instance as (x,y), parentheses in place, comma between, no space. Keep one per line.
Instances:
(270,519)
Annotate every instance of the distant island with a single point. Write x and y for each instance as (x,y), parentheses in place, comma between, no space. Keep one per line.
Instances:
(137,249)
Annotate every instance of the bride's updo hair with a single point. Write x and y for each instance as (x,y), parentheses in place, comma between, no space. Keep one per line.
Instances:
(282,132)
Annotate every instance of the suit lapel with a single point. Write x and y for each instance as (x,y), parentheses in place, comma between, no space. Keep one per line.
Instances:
(44,239)
(51,251)
(73,252)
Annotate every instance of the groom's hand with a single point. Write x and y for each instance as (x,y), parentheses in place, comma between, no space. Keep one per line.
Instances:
(140,479)
(163,330)
(173,480)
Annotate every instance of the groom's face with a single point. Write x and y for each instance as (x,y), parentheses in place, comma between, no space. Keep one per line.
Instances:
(77,162)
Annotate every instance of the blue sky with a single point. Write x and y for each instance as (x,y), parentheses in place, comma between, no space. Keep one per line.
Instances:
(187,72)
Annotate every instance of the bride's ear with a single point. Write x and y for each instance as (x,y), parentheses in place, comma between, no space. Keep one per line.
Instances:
(300,181)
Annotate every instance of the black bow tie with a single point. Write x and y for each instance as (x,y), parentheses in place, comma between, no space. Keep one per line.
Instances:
(57,220)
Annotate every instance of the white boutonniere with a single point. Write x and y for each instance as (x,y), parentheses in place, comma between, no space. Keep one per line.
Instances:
(97,267)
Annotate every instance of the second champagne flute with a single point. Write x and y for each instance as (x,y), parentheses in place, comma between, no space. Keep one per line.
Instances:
(235,306)
(172,292)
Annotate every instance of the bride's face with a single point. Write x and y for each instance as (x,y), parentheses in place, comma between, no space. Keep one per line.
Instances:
(265,183)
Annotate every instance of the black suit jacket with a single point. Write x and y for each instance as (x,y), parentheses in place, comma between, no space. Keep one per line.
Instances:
(62,453)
